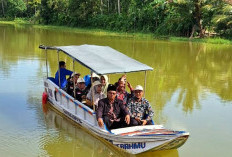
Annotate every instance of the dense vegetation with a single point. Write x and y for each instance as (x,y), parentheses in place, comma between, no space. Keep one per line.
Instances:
(188,18)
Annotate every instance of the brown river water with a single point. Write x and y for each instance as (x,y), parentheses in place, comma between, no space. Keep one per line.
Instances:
(190,89)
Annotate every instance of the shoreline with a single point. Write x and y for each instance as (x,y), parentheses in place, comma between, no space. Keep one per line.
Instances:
(136,35)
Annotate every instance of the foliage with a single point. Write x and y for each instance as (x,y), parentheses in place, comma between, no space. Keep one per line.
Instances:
(12,8)
(162,17)
(223,21)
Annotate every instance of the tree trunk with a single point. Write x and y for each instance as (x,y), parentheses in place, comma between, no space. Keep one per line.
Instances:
(35,9)
(198,17)
(101,7)
(3,12)
(108,6)
(193,31)
(118,6)
(27,4)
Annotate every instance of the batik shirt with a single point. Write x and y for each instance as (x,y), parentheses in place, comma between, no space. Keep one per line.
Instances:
(141,109)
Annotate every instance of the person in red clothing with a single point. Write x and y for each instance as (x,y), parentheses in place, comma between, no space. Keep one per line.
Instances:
(122,94)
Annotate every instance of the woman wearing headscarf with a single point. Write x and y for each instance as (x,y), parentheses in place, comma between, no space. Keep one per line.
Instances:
(105,83)
(95,94)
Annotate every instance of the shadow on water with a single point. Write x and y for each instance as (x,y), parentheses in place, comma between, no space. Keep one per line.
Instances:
(72,140)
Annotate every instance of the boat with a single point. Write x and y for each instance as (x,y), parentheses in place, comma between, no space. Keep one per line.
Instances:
(90,145)
(133,140)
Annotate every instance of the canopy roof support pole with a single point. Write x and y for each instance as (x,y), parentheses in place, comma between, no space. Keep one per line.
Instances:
(74,83)
(145,81)
(58,57)
(92,90)
(46,61)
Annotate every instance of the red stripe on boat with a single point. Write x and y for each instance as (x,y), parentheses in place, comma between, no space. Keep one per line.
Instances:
(90,112)
(147,132)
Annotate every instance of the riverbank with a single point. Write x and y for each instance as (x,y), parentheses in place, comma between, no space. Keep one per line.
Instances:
(137,35)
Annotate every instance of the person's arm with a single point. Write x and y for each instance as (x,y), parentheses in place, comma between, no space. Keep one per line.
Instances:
(150,111)
(99,113)
(129,106)
(130,87)
(89,98)
(125,111)
(88,102)
(68,72)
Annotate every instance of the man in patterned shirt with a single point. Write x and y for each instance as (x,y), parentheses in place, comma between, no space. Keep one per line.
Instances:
(140,110)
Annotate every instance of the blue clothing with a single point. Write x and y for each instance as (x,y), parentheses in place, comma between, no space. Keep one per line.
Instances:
(87,79)
(63,73)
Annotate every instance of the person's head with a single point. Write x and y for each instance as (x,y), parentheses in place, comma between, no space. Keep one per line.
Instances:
(81,83)
(62,64)
(138,91)
(111,92)
(95,77)
(75,76)
(97,86)
(103,79)
(121,86)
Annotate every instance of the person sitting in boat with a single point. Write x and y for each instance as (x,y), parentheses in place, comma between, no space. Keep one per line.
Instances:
(70,85)
(111,111)
(63,73)
(140,109)
(122,94)
(89,78)
(81,91)
(105,83)
(95,94)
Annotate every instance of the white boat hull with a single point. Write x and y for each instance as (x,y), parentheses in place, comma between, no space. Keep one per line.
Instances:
(133,140)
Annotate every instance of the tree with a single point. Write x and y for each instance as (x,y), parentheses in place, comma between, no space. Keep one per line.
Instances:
(3,10)
(223,20)
(15,8)
(33,5)
(119,7)
(198,17)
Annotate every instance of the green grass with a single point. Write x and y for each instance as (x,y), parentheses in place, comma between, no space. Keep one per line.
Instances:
(212,40)
(15,21)
(94,31)
(101,32)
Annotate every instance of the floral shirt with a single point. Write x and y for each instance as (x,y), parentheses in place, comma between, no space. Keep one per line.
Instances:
(141,109)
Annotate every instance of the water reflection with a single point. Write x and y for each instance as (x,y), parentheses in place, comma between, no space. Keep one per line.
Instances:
(187,78)
(64,138)
(187,69)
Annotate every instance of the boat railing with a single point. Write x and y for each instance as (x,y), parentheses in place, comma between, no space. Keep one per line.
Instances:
(78,110)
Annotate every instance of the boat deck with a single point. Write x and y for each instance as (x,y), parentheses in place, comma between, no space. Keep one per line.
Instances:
(150,130)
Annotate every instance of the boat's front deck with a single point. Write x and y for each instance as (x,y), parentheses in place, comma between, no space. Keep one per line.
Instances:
(149,130)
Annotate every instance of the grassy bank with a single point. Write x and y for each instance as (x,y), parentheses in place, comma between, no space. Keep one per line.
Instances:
(137,35)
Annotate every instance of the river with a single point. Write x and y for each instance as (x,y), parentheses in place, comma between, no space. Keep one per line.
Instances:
(190,89)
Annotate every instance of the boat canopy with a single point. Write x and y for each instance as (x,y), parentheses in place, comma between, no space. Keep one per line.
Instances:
(101,59)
